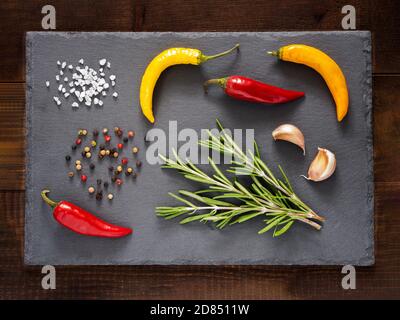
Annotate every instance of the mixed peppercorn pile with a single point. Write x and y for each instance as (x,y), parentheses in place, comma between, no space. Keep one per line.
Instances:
(101,147)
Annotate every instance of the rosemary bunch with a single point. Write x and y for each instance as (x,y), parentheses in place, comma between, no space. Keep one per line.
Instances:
(226,201)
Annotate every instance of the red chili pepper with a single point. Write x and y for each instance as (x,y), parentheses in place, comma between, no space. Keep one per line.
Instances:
(83,222)
(247,89)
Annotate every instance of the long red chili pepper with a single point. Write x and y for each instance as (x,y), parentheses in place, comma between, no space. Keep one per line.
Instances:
(83,222)
(247,89)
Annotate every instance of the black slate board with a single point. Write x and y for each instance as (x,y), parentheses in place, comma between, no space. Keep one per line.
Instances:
(346,199)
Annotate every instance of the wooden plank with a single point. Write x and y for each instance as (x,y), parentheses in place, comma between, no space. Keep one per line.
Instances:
(386,99)
(19,16)
(12,152)
(202,282)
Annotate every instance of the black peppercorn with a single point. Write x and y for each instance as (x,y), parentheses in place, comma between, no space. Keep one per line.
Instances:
(138,163)
(99,182)
(83,154)
(99,195)
(113,179)
(111,168)
(125,140)
(73,147)
(92,166)
(68,158)
(95,133)
(105,184)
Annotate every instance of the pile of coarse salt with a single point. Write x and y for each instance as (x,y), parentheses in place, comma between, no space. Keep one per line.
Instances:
(84,84)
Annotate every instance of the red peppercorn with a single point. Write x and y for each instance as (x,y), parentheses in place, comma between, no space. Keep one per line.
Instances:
(83,178)
(124,161)
(120,145)
(107,138)
(78,141)
(131,134)
(119,182)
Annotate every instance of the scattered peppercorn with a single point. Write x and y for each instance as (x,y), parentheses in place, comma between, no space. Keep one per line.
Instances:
(135,150)
(124,161)
(103,152)
(78,141)
(116,172)
(113,179)
(110,196)
(107,138)
(125,140)
(119,168)
(99,182)
(119,182)
(83,153)
(70,174)
(102,147)
(107,152)
(115,154)
(68,158)
(105,131)
(129,170)
(78,167)
(93,143)
(131,133)
(110,168)
(92,166)
(78,162)
(83,178)
(105,184)
(91,189)
(86,149)
(99,195)
(120,145)
(88,155)
(95,133)
(73,147)
(138,163)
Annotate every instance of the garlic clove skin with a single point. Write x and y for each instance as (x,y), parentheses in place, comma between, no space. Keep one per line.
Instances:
(323,165)
(290,133)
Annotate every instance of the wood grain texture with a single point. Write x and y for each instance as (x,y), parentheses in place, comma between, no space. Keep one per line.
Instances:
(201,282)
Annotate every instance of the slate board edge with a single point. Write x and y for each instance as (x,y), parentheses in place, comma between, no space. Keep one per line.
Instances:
(368,260)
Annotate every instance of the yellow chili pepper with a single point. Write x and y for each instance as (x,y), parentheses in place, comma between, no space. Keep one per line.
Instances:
(325,66)
(161,62)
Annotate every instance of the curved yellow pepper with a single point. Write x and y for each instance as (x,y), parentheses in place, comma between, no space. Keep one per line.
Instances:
(325,66)
(166,59)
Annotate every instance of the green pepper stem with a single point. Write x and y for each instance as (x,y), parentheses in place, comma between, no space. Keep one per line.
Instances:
(46,199)
(204,58)
(221,82)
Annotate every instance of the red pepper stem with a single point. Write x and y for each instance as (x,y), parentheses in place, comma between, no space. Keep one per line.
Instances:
(221,82)
(204,58)
(46,199)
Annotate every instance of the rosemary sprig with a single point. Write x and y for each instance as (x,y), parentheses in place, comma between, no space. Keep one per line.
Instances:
(227,201)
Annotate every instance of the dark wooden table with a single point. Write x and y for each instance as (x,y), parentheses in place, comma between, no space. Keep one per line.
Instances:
(201,282)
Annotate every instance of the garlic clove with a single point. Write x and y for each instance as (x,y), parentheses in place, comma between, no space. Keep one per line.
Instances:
(323,165)
(291,133)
